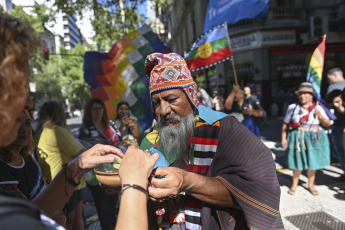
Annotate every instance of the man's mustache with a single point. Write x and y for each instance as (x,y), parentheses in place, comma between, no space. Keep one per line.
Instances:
(170,117)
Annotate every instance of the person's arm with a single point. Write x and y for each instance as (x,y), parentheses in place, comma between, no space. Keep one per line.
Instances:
(283,135)
(135,169)
(56,195)
(133,125)
(325,122)
(230,99)
(207,189)
(254,112)
(66,142)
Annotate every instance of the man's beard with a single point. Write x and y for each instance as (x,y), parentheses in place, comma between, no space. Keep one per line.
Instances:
(174,140)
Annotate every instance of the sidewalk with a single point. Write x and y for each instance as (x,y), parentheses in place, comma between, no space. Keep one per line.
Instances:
(303,210)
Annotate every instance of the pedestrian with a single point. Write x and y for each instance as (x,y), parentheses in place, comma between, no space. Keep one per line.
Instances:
(56,147)
(220,175)
(246,109)
(217,101)
(249,96)
(337,84)
(97,129)
(304,138)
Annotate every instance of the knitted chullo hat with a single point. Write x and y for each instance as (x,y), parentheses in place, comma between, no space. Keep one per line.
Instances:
(170,71)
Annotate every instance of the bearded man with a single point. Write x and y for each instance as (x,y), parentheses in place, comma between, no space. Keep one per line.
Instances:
(219,175)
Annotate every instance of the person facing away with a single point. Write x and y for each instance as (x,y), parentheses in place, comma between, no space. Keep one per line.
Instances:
(97,129)
(337,84)
(56,146)
(207,173)
(304,138)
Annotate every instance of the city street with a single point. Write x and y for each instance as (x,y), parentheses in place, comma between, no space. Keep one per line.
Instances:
(300,211)
(303,210)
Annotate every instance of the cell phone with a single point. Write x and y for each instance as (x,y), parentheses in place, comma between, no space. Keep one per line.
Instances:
(125,114)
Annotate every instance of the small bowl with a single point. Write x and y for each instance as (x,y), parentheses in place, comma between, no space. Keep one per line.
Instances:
(107,175)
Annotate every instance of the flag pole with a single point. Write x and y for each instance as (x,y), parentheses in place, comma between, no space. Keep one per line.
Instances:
(233,67)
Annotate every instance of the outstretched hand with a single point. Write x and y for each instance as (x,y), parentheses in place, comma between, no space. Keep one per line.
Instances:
(96,155)
(136,166)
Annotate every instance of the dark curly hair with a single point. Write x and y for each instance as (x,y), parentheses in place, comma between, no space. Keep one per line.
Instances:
(17,42)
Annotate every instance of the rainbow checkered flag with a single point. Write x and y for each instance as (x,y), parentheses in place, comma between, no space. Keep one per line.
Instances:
(120,74)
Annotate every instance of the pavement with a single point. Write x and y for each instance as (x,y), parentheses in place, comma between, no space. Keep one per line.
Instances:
(299,211)
(304,210)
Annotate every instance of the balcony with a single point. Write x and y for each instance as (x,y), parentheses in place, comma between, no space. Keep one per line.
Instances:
(286,13)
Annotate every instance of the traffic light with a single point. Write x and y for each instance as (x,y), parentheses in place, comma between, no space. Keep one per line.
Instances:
(46,54)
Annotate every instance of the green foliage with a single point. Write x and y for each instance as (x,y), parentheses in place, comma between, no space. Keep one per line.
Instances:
(62,78)
(112,18)
(47,80)
(72,75)
(36,22)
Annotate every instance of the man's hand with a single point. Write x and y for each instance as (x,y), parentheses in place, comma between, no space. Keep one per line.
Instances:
(172,183)
(236,88)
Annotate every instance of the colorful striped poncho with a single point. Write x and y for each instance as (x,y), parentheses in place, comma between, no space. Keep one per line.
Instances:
(246,168)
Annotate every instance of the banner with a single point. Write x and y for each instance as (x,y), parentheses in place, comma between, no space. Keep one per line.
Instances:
(232,11)
(211,48)
(315,69)
(120,76)
(314,75)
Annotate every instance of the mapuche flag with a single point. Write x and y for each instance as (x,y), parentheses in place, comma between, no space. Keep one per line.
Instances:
(315,69)
(120,75)
(211,48)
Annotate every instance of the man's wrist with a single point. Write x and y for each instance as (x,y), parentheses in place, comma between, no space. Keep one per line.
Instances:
(188,178)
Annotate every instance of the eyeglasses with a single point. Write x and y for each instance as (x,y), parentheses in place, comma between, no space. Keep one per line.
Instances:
(97,109)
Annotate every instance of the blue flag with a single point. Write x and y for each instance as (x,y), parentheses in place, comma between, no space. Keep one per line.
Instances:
(232,11)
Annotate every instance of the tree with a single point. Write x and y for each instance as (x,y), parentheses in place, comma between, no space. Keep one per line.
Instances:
(75,89)
(41,15)
(60,77)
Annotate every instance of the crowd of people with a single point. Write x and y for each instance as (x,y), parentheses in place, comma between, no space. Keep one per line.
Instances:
(198,168)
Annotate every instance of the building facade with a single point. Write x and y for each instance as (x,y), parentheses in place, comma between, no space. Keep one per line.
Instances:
(271,56)
(64,31)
